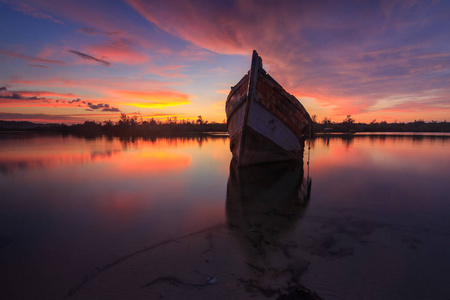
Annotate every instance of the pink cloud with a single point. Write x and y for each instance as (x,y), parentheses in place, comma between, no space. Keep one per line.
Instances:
(349,55)
(194,22)
(119,50)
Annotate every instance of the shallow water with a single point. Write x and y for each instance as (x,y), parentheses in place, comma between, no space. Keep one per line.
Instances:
(102,218)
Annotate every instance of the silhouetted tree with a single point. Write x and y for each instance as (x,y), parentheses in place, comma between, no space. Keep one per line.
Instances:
(349,120)
(126,121)
(348,124)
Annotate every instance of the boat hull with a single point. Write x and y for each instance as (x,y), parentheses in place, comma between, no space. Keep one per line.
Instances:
(265,123)
(259,148)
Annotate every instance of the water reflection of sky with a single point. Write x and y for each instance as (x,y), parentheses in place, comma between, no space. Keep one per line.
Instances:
(405,173)
(111,175)
(62,195)
(81,203)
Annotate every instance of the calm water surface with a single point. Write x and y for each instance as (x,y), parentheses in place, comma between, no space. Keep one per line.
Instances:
(113,219)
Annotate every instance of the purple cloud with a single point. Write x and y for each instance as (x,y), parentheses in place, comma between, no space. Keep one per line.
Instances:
(93,32)
(39,66)
(102,107)
(31,58)
(89,57)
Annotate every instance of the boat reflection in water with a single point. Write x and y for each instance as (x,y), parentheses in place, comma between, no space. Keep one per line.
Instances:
(264,203)
(271,196)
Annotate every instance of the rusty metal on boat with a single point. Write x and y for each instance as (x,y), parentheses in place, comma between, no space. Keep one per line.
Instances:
(265,123)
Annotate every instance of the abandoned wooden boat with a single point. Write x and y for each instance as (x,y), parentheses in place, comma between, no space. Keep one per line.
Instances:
(265,123)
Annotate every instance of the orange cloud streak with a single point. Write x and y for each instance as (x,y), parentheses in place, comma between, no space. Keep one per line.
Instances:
(154,99)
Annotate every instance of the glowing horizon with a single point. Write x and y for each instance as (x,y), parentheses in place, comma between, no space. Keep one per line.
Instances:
(71,61)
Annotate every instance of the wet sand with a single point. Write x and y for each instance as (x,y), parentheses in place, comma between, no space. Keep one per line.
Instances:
(329,258)
(201,265)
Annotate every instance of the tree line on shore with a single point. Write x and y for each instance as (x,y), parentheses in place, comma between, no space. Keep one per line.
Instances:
(349,125)
(135,126)
(125,126)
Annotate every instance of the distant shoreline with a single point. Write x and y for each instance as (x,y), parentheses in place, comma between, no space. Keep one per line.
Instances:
(135,129)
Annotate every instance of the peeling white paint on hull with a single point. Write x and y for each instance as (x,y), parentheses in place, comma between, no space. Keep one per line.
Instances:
(265,123)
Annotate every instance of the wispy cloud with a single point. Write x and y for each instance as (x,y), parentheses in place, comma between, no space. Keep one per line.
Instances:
(89,57)
(94,32)
(44,98)
(31,95)
(31,58)
(39,66)
(31,11)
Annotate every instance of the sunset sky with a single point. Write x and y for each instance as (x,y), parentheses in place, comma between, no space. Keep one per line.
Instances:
(74,60)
